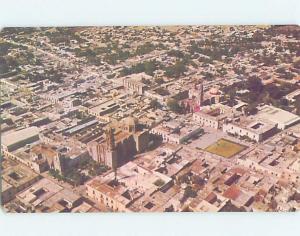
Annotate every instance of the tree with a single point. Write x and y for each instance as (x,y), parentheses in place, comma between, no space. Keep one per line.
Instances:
(154,103)
(150,67)
(255,85)
(189,192)
(176,70)
(159,80)
(274,91)
(145,48)
(175,53)
(231,97)
(173,105)
(251,109)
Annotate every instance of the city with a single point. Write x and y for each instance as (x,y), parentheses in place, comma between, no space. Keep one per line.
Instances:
(150,119)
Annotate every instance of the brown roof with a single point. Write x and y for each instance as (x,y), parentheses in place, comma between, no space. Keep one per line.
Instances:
(44,149)
(232,192)
(211,198)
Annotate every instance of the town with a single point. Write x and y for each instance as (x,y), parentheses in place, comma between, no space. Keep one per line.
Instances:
(150,119)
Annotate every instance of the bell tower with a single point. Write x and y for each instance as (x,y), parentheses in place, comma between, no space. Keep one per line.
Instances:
(201,93)
(110,138)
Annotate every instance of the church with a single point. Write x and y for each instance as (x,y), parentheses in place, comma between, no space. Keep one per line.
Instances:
(122,141)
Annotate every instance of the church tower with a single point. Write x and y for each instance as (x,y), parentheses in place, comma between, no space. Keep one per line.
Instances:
(201,93)
(110,139)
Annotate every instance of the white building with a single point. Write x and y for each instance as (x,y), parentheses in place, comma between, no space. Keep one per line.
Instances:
(206,120)
(283,119)
(17,139)
(178,134)
(256,130)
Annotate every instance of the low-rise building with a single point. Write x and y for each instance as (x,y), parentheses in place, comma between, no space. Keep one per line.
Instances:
(253,129)
(15,178)
(14,140)
(119,190)
(134,83)
(47,196)
(283,119)
(174,132)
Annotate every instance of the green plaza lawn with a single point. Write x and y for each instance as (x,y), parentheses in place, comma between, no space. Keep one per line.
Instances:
(225,148)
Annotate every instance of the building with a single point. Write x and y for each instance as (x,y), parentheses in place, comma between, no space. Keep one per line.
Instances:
(175,132)
(291,97)
(15,178)
(207,119)
(251,128)
(45,156)
(118,191)
(47,196)
(122,142)
(104,108)
(197,93)
(212,116)
(134,83)
(17,139)
(283,119)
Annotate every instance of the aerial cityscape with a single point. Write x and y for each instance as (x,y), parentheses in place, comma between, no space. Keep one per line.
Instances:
(150,119)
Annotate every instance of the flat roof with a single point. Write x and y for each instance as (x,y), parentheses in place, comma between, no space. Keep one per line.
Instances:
(18,175)
(18,136)
(277,115)
(5,185)
(104,106)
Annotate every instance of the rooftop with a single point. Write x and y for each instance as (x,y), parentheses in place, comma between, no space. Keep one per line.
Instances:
(20,135)
(277,115)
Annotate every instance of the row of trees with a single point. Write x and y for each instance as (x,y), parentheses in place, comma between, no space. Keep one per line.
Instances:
(149,67)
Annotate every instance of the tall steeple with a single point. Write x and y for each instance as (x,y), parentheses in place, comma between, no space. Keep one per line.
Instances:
(201,93)
(110,138)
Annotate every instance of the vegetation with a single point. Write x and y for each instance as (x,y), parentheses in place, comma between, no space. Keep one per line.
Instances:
(173,105)
(145,48)
(94,168)
(176,70)
(225,148)
(75,176)
(63,35)
(9,63)
(154,104)
(251,109)
(258,93)
(218,50)
(149,67)
(176,53)
(72,177)
(188,192)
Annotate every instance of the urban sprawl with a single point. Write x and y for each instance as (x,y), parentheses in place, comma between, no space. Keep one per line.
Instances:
(150,119)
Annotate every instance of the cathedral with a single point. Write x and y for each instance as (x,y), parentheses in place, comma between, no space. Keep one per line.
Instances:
(122,141)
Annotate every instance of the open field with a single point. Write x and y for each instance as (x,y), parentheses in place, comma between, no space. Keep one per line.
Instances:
(225,148)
